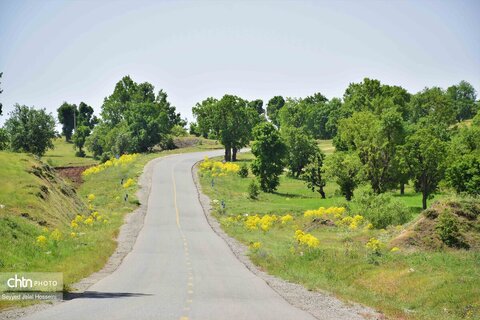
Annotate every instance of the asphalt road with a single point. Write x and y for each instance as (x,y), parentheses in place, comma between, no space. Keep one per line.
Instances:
(178,268)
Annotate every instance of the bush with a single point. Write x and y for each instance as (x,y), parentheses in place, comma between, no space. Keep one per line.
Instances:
(243,172)
(253,190)
(448,230)
(381,210)
(105,157)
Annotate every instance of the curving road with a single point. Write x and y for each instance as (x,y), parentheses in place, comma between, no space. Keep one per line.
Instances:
(178,268)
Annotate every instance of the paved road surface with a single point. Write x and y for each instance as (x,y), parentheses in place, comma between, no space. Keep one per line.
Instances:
(179,268)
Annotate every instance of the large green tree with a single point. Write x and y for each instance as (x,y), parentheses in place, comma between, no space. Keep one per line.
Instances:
(230,119)
(463,97)
(463,171)
(299,149)
(274,105)
(269,151)
(376,139)
(30,130)
(433,103)
(135,119)
(425,153)
(66,116)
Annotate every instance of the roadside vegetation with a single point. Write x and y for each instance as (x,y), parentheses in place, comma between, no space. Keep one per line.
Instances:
(388,215)
(379,267)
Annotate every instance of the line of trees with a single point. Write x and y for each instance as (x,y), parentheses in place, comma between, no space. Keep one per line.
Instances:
(383,135)
(133,119)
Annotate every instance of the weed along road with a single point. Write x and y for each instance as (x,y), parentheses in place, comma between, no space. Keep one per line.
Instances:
(179,267)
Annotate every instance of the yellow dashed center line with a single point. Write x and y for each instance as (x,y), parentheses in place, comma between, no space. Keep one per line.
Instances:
(185,248)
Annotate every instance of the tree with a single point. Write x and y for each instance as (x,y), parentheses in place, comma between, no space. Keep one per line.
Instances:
(30,130)
(135,119)
(85,116)
(269,151)
(371,95)
(66,116)
(1,74)
(230,119)
(257,105)
(274,105)
(346,169)
(376,139)
(95,142)
(433,103)
(463,171)
(424,153)
(299,149)
(463,97)
(4,141)
(314,173)
(79,138)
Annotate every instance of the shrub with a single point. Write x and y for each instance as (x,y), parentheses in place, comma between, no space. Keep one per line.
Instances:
(243,172)
(381,210)
(448,230)
(253,190)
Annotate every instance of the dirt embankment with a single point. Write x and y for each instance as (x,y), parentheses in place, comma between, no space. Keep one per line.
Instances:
(73,174)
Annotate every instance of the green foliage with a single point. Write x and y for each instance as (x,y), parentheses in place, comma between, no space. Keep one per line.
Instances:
(346,170)
(253,189)
(243,172)
(376,139)
(230,119)
(179,131)
(66,116)
(257,105)
(135,119)
(315,115)
(382,210)
(425,153)
(300,147)
(463,172)
(3,139)
(194,130)
(448,230)
(85,116)
(433,103)
(269,150)
(79,138)
(95,142)
(314,173)
(463,96)
(370,95)
(274,105)
(30,130)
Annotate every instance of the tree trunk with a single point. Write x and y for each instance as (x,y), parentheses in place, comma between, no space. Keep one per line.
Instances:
(322,193)
(228,153)
(402,188)
(424,200)
(234,154)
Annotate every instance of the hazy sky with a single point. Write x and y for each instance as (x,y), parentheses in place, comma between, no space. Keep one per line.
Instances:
(55,51)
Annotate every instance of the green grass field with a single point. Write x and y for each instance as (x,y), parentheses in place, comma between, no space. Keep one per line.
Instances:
(63,155)
(402,284)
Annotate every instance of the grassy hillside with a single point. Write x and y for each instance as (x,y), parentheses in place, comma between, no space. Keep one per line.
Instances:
(406,283)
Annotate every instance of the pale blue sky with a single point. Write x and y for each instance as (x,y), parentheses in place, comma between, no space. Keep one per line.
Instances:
(55,51)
